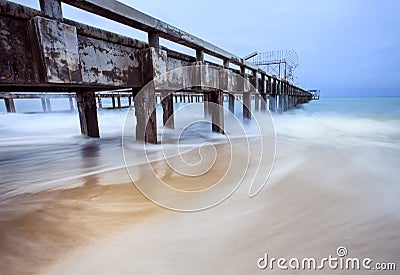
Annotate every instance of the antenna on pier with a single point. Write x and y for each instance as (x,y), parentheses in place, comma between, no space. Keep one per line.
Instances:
(280,63)
(253,54)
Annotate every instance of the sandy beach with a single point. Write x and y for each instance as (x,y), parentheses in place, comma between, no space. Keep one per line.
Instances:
(312,204)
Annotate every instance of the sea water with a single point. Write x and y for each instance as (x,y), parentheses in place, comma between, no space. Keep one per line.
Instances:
(69,205)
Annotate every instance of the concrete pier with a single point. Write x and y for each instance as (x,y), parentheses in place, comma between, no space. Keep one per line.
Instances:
(86,102)
(246,96)
(168,109)
(10,107)
(44,52)
(217,111)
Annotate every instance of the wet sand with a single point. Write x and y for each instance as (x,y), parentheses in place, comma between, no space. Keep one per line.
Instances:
(37,230)
(319,197)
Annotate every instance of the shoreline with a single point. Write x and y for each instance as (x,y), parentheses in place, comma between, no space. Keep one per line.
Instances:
(310,196)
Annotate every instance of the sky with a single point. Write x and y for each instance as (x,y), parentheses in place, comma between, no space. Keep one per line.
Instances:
(345,47)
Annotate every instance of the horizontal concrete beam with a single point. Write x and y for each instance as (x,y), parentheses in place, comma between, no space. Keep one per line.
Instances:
(129,16)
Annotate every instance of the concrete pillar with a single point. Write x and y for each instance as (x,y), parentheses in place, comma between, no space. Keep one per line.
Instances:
(280,97)
(71,102)
(268,90)
(272,97)
(10,107)
(205,104)
(246,96)
(272,103)
(48,105)
(199,55)
(257,102)
(51,8)
(99,101)
(145,101)
(261,90)
(216,97)
(44,106)
(254,83)
(231,103)
(119,101)
(231,98)
(289,106)
(145,112)
(86,101)
(168,109)
(113,101)
(283,94)
(153,39)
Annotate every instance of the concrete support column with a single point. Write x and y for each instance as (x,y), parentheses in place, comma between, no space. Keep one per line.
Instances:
(51,8)
(206,105)
(48,105)
(216,97)
(145,112)
(231,97)
(86,101)
(246,96)
(291,97)
(284,97)
(256,102)
(71,103)
(280,97)
(99,101)
(287,107)
(10,107)
(153,39)
(254,83)
(231,104)
(167,103)
(113,101)
(145,101)
(272,97)
(199,55)
(261,90)
(44,106)
(119,101)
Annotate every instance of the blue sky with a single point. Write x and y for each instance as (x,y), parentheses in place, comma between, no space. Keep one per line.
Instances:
(346,48)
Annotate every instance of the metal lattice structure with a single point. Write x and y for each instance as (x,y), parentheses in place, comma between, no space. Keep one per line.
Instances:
(280,63)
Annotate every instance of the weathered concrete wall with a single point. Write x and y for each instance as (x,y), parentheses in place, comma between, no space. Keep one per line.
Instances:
(109,64)
(54,46)
(40,52)
(15,58)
